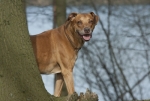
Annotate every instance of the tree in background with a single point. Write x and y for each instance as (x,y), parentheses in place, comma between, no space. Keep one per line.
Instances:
(59,18)
(59,12)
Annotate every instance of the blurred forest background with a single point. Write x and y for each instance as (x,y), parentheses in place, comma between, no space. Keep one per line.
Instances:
(115,63)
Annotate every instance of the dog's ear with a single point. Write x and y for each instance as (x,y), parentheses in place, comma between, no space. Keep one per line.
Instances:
(71,16)
(96,18)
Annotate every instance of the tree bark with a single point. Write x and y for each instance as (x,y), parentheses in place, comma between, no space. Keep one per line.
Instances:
(19,76)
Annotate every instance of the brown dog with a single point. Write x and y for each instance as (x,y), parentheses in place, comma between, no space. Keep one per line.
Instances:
(56,50)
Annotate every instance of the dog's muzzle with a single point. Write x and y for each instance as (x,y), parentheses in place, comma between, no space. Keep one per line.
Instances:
(86,34)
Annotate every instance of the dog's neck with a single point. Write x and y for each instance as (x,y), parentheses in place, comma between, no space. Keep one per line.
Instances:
(72,36)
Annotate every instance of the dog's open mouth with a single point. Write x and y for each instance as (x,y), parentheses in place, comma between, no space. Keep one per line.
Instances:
(86,37)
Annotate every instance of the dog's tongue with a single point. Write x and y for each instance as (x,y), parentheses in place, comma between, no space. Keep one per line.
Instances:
(86,37)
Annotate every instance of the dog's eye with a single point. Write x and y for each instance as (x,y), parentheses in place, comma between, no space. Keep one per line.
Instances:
(79,22)
(91,21)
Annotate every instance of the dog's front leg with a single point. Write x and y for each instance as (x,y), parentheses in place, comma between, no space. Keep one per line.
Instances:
(68,78)
(58,84)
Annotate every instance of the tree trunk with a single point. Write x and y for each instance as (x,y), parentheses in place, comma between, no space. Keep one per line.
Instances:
(59,10)
(59,18)
(20,79)
(19,76)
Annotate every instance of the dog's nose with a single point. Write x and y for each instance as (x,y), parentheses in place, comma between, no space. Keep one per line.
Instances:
(86,30)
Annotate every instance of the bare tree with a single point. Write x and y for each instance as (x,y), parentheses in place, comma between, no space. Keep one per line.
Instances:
(116,62)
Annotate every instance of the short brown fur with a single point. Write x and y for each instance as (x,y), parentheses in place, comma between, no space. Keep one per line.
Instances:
(56,50)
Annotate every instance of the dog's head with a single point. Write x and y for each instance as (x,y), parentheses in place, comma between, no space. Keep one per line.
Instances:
(83,24)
